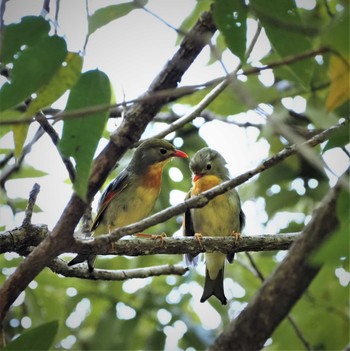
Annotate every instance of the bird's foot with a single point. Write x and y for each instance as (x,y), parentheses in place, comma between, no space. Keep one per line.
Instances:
(153,237)
(199,237)
(237,236)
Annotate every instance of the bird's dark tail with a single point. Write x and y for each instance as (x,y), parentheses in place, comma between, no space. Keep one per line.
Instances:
(214,287)
(81,258)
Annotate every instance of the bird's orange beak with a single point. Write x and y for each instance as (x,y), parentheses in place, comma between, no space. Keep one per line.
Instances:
(179,153)
(196,177)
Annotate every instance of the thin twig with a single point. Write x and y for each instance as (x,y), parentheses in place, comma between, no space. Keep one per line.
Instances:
(174,92)
(30,207)
(58,4)
(16,166)
(211,96)
(328,10)
(2,12)
(41,118)
(60,267)
(178,31)
(46,6)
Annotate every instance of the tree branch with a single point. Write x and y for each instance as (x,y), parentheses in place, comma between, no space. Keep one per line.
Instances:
(16,165)
(285,285)
(129,132)
(171,94)
(19,239)
(60,267)
(30,207)
(41,118)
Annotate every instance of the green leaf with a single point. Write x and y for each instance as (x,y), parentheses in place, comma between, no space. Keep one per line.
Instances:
(19,136)
(27,171)
(334,35)
(35,339)
(110,13)
(19,205)
(287,33)
(81,135)
(19,130)
(34,67)
(8,115)
(230,17)
(66,76)
(28,32)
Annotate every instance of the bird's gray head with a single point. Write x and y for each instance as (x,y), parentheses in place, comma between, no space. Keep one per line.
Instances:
(153,151)
(207,161)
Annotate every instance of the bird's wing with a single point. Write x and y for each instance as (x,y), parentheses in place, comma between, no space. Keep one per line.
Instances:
(112,190)
(188,230)
(188,224)
(241,220)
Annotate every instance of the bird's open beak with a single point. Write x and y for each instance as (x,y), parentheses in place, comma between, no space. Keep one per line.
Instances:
(179,153)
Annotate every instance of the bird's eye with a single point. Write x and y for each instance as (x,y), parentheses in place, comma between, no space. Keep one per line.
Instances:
(163,151)
(208,166)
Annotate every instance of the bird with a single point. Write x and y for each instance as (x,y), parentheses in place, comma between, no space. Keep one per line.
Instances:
(131,196)
(222,216)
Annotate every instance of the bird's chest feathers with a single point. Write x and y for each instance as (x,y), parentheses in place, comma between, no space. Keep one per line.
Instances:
(205,183)
(148,189)
(132,206)
(153,177)
(216,218)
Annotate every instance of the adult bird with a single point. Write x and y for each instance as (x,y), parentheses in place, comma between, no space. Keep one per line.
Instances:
(131,196)
(222,216)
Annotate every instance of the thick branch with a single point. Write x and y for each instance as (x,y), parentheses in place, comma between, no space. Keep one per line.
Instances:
(19,239)
(285,286)
(127,134)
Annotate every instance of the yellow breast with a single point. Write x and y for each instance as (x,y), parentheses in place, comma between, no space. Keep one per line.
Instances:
(205,183)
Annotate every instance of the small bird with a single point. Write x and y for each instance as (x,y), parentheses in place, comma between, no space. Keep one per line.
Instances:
(222,216)
(131,196)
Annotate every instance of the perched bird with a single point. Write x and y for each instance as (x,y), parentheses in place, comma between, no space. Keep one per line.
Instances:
(131,196)
(222,216)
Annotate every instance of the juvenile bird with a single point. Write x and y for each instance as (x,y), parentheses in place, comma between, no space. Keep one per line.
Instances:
(131,196)
(222,216)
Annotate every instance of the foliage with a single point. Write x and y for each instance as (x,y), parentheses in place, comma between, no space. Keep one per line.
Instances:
(164,312)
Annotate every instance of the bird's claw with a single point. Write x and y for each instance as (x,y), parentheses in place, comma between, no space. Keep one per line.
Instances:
(153,237)
(199,237)
(237,236)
